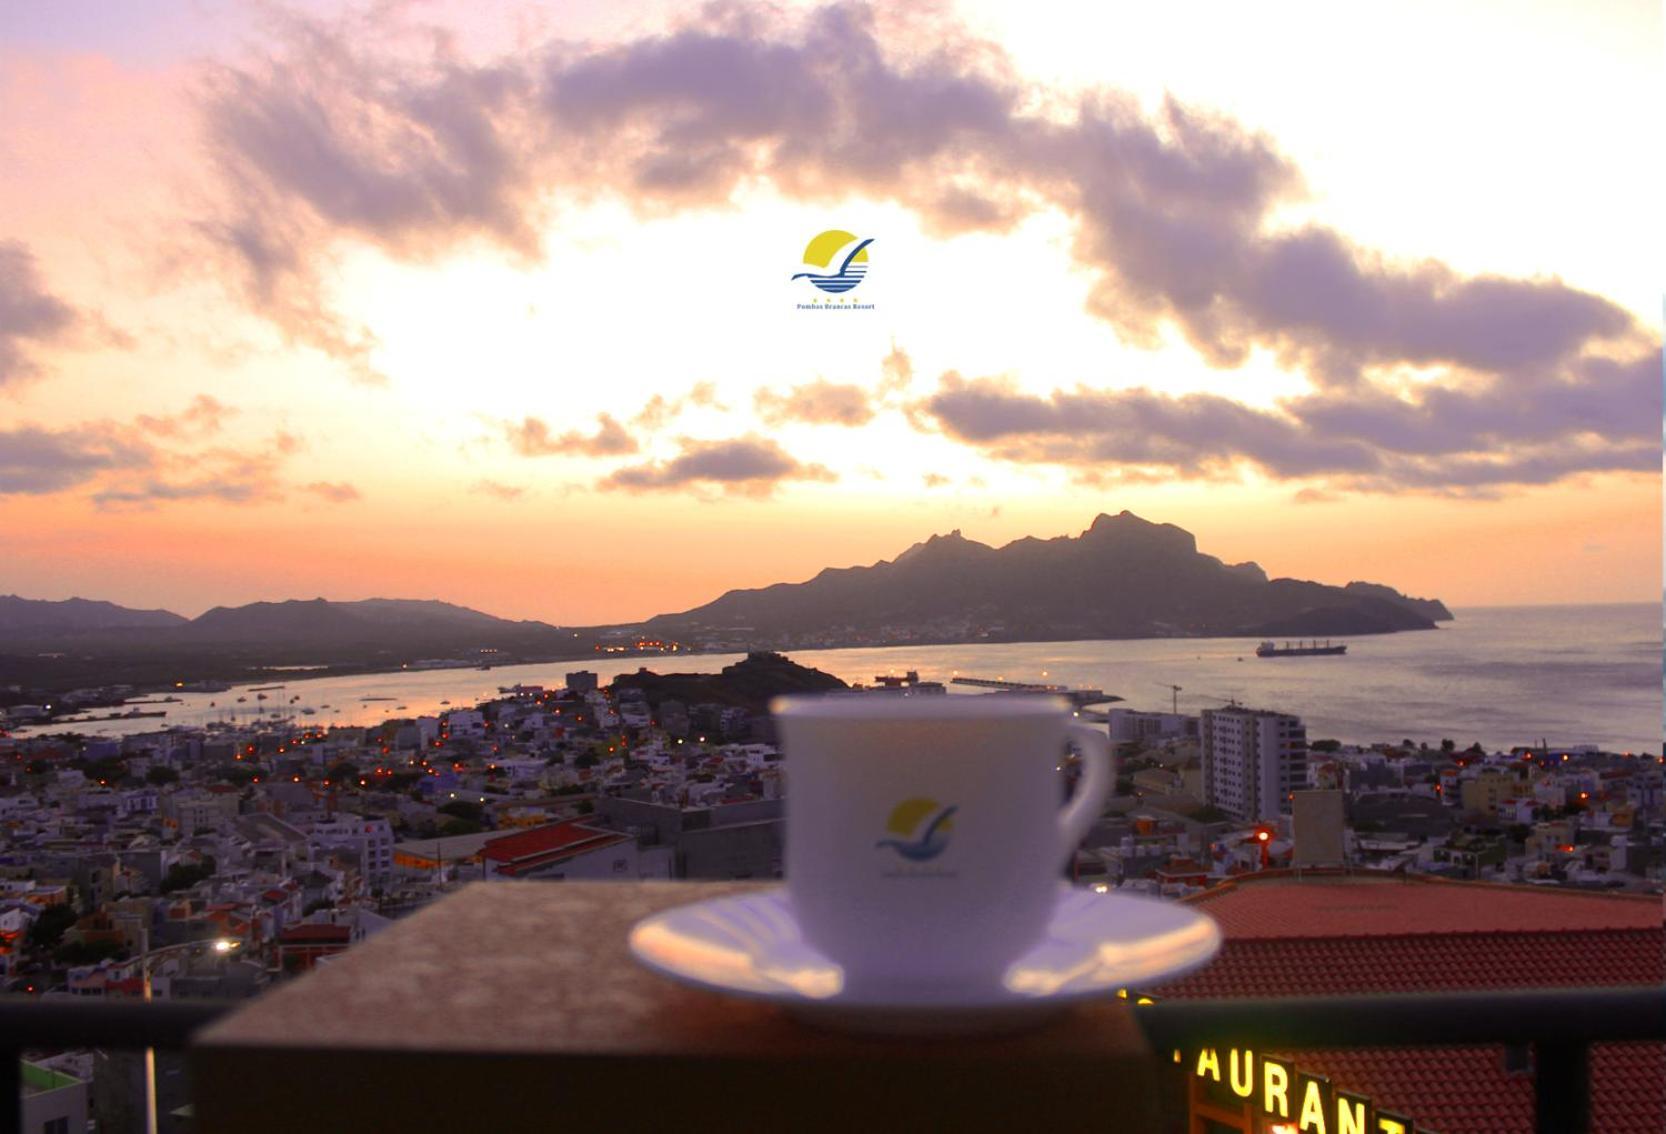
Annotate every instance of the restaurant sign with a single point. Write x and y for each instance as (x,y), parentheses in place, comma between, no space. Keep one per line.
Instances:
(1292,1097)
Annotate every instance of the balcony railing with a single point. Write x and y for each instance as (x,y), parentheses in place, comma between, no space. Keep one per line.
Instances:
(509,1006)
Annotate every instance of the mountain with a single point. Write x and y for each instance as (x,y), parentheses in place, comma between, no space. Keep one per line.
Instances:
(1429,608)
(1124,577)
(42,616)
(79,644)
(321,621)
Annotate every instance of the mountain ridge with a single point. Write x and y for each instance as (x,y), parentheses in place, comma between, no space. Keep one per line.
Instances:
(1122,577)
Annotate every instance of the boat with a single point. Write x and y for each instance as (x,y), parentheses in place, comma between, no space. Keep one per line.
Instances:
(308,712)
(1298,650)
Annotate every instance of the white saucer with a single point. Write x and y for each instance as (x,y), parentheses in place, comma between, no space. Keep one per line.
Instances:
(1096,944)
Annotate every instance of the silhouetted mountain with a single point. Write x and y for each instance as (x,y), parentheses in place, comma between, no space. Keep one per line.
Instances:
(321,621)
(750,683)
(68,615)
(229,643)
(1122,578)
(1429,608)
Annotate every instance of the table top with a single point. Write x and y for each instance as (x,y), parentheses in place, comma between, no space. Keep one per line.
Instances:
(543,969)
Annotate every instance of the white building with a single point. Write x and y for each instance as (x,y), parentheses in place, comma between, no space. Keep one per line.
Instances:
(370,838)
(1137,725)
(1253,759)
(461,723)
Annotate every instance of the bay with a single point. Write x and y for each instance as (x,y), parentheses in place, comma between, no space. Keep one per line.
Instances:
(1501,676)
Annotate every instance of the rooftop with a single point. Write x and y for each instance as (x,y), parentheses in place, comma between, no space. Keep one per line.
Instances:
(540,841)
(1289,935)
(1284,905)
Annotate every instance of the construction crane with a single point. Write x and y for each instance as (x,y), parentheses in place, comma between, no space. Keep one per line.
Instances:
(1174,696)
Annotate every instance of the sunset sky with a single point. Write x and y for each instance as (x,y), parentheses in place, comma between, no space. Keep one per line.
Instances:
(409,300)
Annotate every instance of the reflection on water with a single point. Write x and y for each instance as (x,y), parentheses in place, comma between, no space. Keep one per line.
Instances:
(1500,675)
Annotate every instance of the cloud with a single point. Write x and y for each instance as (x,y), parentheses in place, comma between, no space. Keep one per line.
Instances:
(744,466)
(227,475)
(337,138)
(704,395)
(532,438)
(205,415)
(935,480)
(29,314)
(152,460)
(497,489)
(659,411)
(338,493)
(818,403)
(1600,417)
(896,372)
(35,461)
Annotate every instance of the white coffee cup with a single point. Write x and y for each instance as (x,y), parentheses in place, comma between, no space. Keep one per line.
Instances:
(926,836)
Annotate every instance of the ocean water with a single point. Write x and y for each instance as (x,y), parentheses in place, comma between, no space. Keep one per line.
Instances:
(1498,675)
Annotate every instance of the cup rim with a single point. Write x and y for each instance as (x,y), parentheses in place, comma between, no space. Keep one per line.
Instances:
(935,707)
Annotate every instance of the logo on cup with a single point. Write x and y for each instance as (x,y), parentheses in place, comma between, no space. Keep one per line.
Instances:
(836,245)
(922,827)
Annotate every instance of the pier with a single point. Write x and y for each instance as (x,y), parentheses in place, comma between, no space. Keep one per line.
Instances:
(1078,697)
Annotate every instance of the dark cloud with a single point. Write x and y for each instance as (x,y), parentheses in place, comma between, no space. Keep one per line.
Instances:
(29,314)
(818,403)
(744,466)
(1174,210)
(35,461)
(1600,417)
(339,492)
(532,438)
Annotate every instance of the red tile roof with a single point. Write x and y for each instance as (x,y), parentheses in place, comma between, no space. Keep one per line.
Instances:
(1425,962)
(542,840)
(1283,905)
(1312,936)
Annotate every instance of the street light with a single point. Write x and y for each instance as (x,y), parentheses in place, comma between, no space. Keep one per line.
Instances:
(147,957)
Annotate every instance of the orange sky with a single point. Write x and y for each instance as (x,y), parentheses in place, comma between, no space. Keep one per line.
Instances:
(497,309)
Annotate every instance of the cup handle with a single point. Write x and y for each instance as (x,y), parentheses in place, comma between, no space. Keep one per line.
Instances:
(1091,791)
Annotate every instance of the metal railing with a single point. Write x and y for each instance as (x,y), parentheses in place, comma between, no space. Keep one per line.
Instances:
(1559,1025)
(28,1024)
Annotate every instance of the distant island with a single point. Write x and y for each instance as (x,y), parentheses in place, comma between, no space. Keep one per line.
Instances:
(1124,577)
(748,684)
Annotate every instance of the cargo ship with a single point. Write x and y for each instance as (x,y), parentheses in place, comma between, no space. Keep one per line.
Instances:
(1299,650)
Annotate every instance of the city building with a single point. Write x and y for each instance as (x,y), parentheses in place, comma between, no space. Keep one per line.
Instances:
(1137,725)
(1253,759)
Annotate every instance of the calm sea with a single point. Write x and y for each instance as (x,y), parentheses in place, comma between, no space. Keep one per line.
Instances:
(1498,675)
